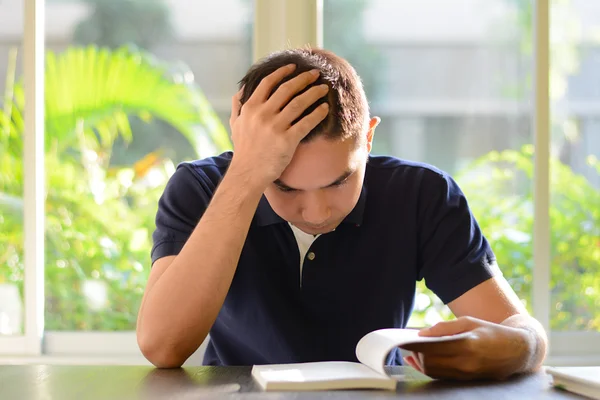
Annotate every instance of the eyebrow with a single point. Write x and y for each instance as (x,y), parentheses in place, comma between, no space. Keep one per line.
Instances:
(339,180)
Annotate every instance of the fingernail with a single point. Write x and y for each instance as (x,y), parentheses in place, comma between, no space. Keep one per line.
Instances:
(324,106)
(324,87)
(315,72)
(291,66)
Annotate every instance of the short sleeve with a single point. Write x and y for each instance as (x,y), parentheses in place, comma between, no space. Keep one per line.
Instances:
(454,255)
(180,207)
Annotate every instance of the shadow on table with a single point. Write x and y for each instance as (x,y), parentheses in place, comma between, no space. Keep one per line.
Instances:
(515,387)
(186,383)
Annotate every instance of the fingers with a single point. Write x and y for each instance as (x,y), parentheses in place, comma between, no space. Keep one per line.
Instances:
(453,367)
(410,360)
(437,367)
(301,128)
(300,103)
(289,89)
(440,348)
(442,370)
(236,106)
(266,85)
(420,360)
(446,328)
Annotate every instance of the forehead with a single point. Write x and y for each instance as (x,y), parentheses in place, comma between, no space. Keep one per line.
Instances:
(320,161)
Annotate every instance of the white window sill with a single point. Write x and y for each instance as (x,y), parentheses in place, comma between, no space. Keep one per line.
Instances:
(120,348)
(559,361)
(73,360)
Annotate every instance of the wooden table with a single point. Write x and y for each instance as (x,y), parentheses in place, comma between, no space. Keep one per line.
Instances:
(33,382)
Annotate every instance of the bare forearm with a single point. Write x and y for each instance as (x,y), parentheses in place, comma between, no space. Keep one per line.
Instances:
(181,307)
(535,342)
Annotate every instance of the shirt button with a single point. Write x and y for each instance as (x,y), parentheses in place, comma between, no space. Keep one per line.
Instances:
(311,256)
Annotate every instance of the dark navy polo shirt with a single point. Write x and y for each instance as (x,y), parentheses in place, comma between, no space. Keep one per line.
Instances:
(411,222)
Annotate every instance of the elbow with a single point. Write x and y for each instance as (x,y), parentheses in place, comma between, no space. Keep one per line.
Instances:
(165,361)
(159,354)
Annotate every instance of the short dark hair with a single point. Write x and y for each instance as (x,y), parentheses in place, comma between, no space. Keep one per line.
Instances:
(348,107)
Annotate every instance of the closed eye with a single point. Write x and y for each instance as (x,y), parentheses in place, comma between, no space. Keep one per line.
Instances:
(341,181)
(338,184)
(285,189)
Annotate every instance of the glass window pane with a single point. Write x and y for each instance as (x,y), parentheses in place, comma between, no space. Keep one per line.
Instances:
(453,89)
(132,89)
(12,314)
(575,168)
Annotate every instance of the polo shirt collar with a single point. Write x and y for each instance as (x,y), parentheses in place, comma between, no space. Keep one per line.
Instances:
(356,215)
(266,216)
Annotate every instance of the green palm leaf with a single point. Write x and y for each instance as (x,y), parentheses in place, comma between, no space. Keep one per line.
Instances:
(90,92)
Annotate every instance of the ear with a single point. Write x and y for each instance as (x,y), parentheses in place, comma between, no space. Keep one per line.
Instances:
(373,122)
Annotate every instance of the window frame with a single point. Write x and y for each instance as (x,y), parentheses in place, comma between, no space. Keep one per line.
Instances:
(34,186)
(277,24)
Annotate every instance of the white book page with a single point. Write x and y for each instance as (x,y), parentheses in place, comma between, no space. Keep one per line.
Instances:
(322,375)
(374,347)
(315,371)
(585,375)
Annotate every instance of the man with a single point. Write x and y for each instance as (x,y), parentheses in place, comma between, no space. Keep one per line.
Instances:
(298,243)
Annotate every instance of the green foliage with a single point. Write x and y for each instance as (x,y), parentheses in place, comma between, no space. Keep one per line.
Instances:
(575,231)
(98,218)
(499,186)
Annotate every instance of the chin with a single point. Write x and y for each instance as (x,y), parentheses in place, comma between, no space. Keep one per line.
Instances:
(318,230)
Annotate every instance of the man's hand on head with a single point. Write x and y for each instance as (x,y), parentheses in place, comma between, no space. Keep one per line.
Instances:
(264,138)
(493,351)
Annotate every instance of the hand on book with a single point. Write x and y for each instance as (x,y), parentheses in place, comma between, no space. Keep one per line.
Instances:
(492,351)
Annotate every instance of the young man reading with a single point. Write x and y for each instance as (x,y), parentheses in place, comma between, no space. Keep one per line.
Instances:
(298,243)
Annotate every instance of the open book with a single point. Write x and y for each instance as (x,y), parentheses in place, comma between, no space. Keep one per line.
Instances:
(581,380)
(372,351)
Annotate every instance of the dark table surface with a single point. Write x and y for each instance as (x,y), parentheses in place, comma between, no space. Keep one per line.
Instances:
(54,382)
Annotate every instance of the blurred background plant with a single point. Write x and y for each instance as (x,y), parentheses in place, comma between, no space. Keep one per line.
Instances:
(99,215)
(119,117)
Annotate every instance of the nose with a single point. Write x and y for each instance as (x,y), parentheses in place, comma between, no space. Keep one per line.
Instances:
(316,209)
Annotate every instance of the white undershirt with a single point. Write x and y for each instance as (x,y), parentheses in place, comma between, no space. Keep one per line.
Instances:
(305,240)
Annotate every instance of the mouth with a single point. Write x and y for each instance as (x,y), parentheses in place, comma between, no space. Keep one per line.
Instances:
(314,229)
(317,227)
